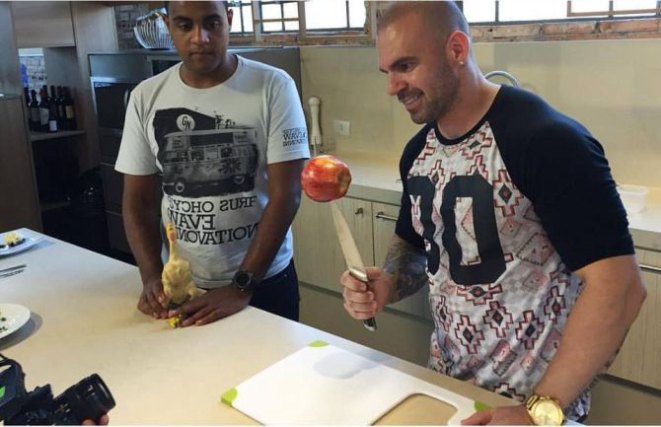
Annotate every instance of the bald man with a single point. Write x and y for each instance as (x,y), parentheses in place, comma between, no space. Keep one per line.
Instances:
(511,217)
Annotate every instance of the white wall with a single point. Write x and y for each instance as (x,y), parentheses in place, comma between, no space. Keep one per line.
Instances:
(612,86)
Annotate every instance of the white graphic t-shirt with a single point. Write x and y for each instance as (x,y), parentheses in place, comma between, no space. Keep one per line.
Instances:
(212,147)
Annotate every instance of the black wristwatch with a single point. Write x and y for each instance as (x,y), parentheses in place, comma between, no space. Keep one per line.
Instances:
(243,281)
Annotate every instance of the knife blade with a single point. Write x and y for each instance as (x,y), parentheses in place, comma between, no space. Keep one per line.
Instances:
(351,253)
(17,267)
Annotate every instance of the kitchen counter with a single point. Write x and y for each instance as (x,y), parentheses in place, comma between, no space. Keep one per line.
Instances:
(84,320)
(377,179)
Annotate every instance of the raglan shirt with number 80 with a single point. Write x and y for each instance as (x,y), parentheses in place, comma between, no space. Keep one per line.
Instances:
(505,213)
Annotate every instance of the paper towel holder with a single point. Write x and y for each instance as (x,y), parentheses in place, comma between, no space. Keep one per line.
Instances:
(316,140)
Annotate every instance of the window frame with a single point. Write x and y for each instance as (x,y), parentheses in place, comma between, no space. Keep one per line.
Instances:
(598,15)
(612,24)
(304,36)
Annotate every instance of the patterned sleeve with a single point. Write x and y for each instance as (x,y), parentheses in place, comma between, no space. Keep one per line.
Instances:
(404,228)
(135,155)
(288,135)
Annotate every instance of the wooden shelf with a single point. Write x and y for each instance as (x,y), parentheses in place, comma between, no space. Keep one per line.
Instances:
(42,136)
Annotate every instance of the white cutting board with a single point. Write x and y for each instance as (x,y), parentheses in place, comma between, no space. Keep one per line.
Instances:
(325,385)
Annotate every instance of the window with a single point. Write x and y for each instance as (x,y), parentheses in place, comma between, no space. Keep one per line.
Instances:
(242,23)
(508,11)
(335,15)
(282,21)
(279,16)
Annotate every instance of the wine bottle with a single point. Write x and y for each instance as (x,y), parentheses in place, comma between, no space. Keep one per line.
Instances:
(61,110)
(35,124)
(70,109)
(53,113)
(43,110)
(26,93)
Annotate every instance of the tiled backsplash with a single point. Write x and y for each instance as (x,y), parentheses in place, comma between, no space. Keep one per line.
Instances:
(35,67)
(125,17)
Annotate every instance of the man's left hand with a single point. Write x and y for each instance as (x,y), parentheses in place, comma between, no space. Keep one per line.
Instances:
(212,306)
(504,415)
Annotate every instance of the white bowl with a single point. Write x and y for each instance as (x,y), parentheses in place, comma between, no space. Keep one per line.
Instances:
(633,197)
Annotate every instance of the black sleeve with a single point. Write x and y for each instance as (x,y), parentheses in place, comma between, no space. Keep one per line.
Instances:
(404,228)
(564,172)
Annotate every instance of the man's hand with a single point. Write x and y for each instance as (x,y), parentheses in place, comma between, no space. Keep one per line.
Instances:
(361,303)
(212,306)
(152,300)
(504,415)
(103,421)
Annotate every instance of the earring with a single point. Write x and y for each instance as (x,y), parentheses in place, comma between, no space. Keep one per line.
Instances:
(462,63)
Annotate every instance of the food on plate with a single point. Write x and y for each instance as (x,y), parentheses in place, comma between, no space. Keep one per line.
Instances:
(13,239)
(3,323)
(178,285)
(325,178)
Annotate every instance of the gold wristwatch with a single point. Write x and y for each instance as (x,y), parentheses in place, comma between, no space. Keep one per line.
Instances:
(544,410)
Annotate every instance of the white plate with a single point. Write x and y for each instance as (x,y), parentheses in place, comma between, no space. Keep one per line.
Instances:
(27,244)
(12,317)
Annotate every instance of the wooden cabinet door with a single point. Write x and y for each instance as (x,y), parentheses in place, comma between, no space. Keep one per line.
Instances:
(43,23)
(19,204)
(317,253)
(385,218)
(639,359)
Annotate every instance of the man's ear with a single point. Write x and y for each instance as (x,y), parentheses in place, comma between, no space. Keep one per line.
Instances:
(458,48)
(230,16)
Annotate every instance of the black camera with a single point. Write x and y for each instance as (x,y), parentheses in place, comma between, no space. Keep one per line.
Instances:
(87,400)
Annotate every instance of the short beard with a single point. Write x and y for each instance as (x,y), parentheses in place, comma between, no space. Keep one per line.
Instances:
(447,88)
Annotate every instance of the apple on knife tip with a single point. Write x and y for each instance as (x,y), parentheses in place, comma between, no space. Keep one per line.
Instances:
(326,179)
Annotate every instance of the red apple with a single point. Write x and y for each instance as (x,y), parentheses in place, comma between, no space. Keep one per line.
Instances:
(325,178)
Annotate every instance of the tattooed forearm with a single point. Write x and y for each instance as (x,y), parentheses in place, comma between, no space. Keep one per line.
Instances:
(407,266)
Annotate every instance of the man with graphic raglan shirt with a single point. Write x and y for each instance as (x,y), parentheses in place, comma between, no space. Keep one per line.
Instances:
(228,136)
(511,217)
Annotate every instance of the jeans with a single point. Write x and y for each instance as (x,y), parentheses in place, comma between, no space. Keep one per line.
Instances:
(279,294)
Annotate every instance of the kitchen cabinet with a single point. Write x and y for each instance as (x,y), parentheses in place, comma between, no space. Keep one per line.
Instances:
(639,359)
(19,205)
(317,253)
(43,24)
(404,328)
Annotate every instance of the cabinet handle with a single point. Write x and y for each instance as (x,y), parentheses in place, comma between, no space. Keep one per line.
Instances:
(381,215)
(359,211)
(649,268)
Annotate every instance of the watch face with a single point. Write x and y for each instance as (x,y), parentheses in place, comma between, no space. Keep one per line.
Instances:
(243,279)
(547,412)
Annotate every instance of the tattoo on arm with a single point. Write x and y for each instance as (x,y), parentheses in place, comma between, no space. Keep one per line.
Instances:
(407,264)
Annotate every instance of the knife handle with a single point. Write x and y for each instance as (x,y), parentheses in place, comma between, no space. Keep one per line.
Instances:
(370,324)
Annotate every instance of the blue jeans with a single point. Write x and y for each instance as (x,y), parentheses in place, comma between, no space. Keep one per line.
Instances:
(279,294)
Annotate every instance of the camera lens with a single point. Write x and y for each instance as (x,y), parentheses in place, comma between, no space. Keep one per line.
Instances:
(86,400)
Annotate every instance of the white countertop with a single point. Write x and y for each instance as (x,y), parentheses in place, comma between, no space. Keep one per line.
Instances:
(376,178)
(84,320)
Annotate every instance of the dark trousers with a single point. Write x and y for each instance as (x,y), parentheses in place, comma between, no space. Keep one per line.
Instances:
(279,294)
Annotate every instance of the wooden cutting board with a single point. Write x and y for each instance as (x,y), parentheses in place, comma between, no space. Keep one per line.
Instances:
(325,385)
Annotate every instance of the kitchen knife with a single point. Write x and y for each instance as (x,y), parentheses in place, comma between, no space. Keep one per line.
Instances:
(351,254)
(17,267)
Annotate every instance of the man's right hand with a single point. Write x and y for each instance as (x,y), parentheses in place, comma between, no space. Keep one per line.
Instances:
(152,300)
(361,303)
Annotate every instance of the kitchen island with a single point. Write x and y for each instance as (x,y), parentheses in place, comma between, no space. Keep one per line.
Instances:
(84,320)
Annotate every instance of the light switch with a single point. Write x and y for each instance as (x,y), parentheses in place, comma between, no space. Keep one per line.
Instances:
(342,127)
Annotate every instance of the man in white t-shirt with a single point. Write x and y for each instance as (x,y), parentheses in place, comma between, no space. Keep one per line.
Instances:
(228,136)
